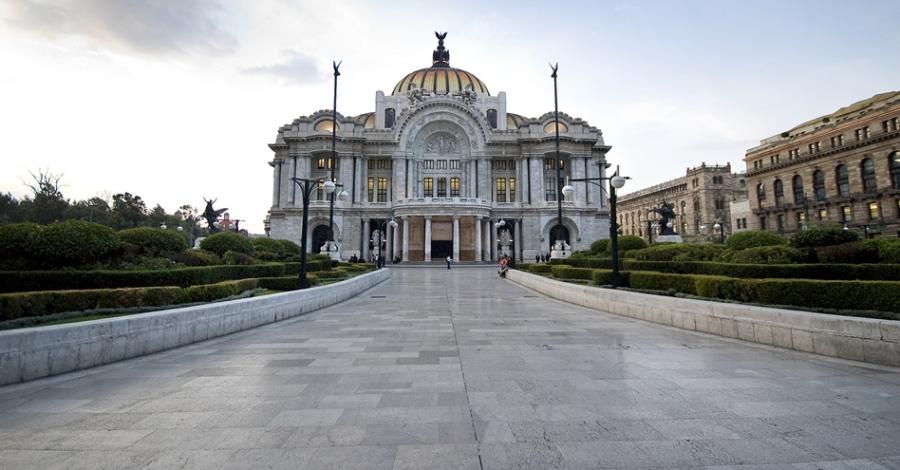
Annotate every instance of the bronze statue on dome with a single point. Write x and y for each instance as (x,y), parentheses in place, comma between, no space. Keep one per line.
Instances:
(441,56)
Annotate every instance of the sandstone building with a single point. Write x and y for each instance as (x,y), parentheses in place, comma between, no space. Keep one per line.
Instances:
(842,168)
(444,159)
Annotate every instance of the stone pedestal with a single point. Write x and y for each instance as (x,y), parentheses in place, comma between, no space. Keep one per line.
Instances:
(668,239)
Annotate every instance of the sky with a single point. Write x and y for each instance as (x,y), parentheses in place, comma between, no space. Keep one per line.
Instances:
(176,101)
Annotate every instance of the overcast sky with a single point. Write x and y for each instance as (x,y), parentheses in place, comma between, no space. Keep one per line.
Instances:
(176,100)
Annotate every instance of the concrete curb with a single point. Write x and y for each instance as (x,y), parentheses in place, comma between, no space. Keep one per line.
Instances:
(32,353)
(858,339)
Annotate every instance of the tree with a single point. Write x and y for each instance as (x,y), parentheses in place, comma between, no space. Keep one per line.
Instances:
(9,209)
(128,210)
(47,203)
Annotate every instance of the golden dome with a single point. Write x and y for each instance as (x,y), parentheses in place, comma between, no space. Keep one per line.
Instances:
(440,81)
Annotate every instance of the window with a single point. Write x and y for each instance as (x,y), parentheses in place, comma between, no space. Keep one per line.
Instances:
(867,168)
(454,164)
(442,164)
(760,193)
(501,190)
(370,189)
(843,180)
(780,222)
(823,214)
(894,163)
(797,183)
(548,164)
(720,204)
(695,183)
(512,190)
(428,187)
(550,188)
(324,163)
(763,223)
(718,179)
(503,165)
(778,188)
(492,118)
(800,218)
(442,187)
(428,164)
(550,128)
(320,190)
(862,133)
(819,186)
(325,125)
(814,147)
(846,214)
(744,220)
(454,187)
(873,210)
(379,164)
(382,189)
(837,141)
(793,154)
(890,125)
(389,115)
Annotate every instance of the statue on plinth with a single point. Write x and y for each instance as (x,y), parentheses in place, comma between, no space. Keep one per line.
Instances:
(211,215)
(667,215)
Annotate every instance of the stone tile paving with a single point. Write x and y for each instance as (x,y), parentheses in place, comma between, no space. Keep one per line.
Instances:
(459,370)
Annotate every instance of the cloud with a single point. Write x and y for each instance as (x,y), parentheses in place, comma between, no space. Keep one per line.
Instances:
(154,27)
(297,69)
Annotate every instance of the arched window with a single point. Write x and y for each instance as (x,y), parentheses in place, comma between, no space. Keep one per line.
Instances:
(550,127)
(492,118)
(819,186)
(778,188)
(843,180)
(325,125)
(894,163)
(799,196)
(389,115)
(761,192)
(683,208)
(867,168)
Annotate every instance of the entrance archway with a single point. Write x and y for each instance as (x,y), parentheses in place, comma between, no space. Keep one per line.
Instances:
(555,235)
(319,237)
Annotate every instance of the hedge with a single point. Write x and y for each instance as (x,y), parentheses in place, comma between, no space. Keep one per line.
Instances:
(24,281)
(882,272)
(540,268)
(603,277)
(285,282)
(753,238)
(72,243)
(221,242)
(563,271)
(153,241)
(33,304)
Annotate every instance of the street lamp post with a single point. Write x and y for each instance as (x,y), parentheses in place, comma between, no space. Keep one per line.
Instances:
(721,228)
(615,182)
(559,221)
(307,186)
(331,243)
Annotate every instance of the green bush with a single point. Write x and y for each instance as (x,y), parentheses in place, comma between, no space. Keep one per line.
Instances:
(153,241)
(234,258)
(853,252)
(221,242)
(196,258)
(331,274)
(888,249)
(678,252)
(603,277)
(777,254)
(274,249)
(600,246)
(15,244)
(289,248)
(752,239)
(822,236)
(662,281)
(73,243)
(631,242)
(563,271)
(540,268)
(286,282)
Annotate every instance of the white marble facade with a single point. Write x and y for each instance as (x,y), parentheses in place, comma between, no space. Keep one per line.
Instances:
(445,160)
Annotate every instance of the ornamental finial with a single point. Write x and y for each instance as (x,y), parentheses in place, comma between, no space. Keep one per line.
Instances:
(441,56)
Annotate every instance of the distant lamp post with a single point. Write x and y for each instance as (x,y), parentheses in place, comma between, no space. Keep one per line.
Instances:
(616,181)
(721,229)
(307,186)
(163,226)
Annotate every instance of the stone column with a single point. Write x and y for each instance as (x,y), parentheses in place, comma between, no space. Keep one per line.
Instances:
(365,240)
(537,181)
(399,177)
(478,237)
(427,238)
(406,239)
(486,244)
(456,238)
(519,241)
(389,243)
(397,248)
(493,245)
(484,179)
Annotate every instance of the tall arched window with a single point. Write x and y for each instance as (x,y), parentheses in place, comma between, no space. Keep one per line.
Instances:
(778,188)
(389,115)
(867,168)
(797,183)
(819,186)
(492,118)
(843,180)
(894,163)
(761,192)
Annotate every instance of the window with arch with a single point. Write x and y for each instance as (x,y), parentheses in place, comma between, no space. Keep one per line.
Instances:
(819,186)
(683,207)
(389,115)
(550,127)
(778,189)
(760,192)
(492,118)
(325,125)
(843,180)
(894,162)
(797,183)
(867,169)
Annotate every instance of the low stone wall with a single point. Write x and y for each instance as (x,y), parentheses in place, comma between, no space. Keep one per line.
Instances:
(31,353)
(859,339)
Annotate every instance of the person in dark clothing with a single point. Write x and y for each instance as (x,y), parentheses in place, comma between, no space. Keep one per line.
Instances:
(449,259)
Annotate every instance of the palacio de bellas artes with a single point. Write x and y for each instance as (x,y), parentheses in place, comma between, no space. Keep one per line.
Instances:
(457,173)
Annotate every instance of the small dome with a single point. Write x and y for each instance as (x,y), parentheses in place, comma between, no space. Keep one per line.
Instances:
(367,120)
(440,81)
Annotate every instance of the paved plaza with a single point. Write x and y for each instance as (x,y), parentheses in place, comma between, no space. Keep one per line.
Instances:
(459,370)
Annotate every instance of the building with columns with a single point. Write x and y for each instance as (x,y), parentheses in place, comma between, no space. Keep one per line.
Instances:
(841,169)
(702,198)
(443,158)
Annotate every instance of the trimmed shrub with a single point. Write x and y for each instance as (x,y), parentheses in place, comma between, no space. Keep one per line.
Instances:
(563,271)
(752,239)
(631,242)
(153,241)
(777,254)
(196,258)
(600,246)
(331,274)
(73,243)
(272,248)
(289,248)
(678,252)
(15,244)
(822,236)
(221,242)
(854,252)
(846,295)
(662,282)
(286,283)
(234,258)
(540,268)
(888,249)
(603,277)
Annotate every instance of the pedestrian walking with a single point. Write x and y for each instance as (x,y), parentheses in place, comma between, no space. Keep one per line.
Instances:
(449,259)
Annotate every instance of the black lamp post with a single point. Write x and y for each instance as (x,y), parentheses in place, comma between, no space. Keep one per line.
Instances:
(333,159)
(721,228)
(307,186)
(559,220)
(615,182)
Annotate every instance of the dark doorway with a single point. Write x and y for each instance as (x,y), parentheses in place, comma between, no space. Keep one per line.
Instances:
(555,232)
(441,249)
(319,237)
